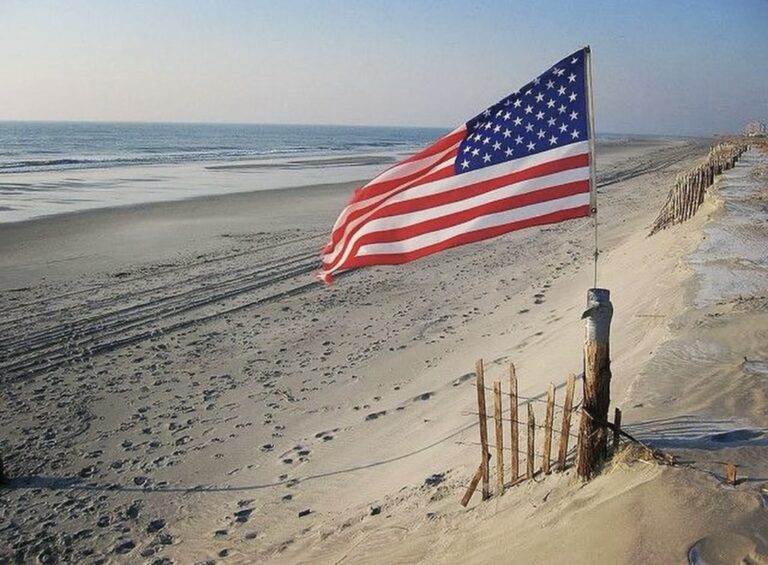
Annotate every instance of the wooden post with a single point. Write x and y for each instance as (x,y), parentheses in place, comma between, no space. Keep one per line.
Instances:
(597,383)
(514,445)
(483,426)
(548,422)
(565,430)
(499,433)
(730,473)
(472,485)
(616,428)
(531,442)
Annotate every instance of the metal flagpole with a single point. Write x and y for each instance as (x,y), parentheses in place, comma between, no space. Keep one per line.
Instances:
(591,130)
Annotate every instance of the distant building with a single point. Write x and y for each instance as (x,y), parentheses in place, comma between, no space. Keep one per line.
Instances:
(755,128)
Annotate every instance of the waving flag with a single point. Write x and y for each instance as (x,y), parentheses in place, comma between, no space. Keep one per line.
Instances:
(524,161)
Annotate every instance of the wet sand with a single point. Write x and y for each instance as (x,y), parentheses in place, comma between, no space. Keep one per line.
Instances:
(176,386)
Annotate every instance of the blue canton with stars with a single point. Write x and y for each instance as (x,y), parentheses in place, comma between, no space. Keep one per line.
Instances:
(548,112)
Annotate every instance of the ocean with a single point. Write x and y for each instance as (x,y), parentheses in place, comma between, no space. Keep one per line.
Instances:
(49,168)
(59,167)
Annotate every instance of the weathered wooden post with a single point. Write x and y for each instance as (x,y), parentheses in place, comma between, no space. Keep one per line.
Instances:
(616,428)
(483,427)
(597,383)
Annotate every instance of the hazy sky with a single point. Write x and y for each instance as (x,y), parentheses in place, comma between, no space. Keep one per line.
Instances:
(684,67)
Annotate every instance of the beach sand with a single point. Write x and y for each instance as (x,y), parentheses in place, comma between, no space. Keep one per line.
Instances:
(177,388)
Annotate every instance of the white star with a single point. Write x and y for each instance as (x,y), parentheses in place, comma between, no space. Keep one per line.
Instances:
(572,97)
(575,134)
(552,140)
(507,102)
(571,77)
(507,115)
(496,128)
(561,109)
(508,152)
(563,128)
(528,92)
(574,60)
(551,103)
(539,97)
(486,158)
(507,133)
(540,115)
(556,71)
(496,146)
(541,133)
(517,103)
(561,90)
(550,84)
(528,109)
(529,127)
(486,141)
(467,149)
(551,121)
(574,115)
(465,164)
(531,146)
(487,125)
(537,80)
(487,112)
(519,140)
(475,152)
(559,72)
(499,113)
(518,120)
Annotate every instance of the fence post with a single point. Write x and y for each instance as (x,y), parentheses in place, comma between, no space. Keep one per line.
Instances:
(597,382)
(616,428)
(514,445)
(548,422)
(566,428)
(499,433)
(483,426)
(531,442)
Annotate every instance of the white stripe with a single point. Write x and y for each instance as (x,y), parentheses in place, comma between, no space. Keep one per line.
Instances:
(479,175)
(536,183)
(410,218)
(483,222)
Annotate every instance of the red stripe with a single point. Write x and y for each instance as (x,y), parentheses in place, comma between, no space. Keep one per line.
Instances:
(435,224)
(453,195)
(470,237)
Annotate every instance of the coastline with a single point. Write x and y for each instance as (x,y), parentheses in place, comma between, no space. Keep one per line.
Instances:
(256,394)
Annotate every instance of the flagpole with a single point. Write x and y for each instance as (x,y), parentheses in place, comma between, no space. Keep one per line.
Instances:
(591,131)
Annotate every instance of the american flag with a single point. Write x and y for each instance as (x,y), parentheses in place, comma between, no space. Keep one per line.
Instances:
(524,161)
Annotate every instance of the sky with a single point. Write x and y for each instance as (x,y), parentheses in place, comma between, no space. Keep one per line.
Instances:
(659,67)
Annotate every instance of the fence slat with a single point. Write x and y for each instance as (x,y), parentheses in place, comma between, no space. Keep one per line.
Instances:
(513,440)
(531,442)
(566,427)
(548,421)
(483,426)
(499,433)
